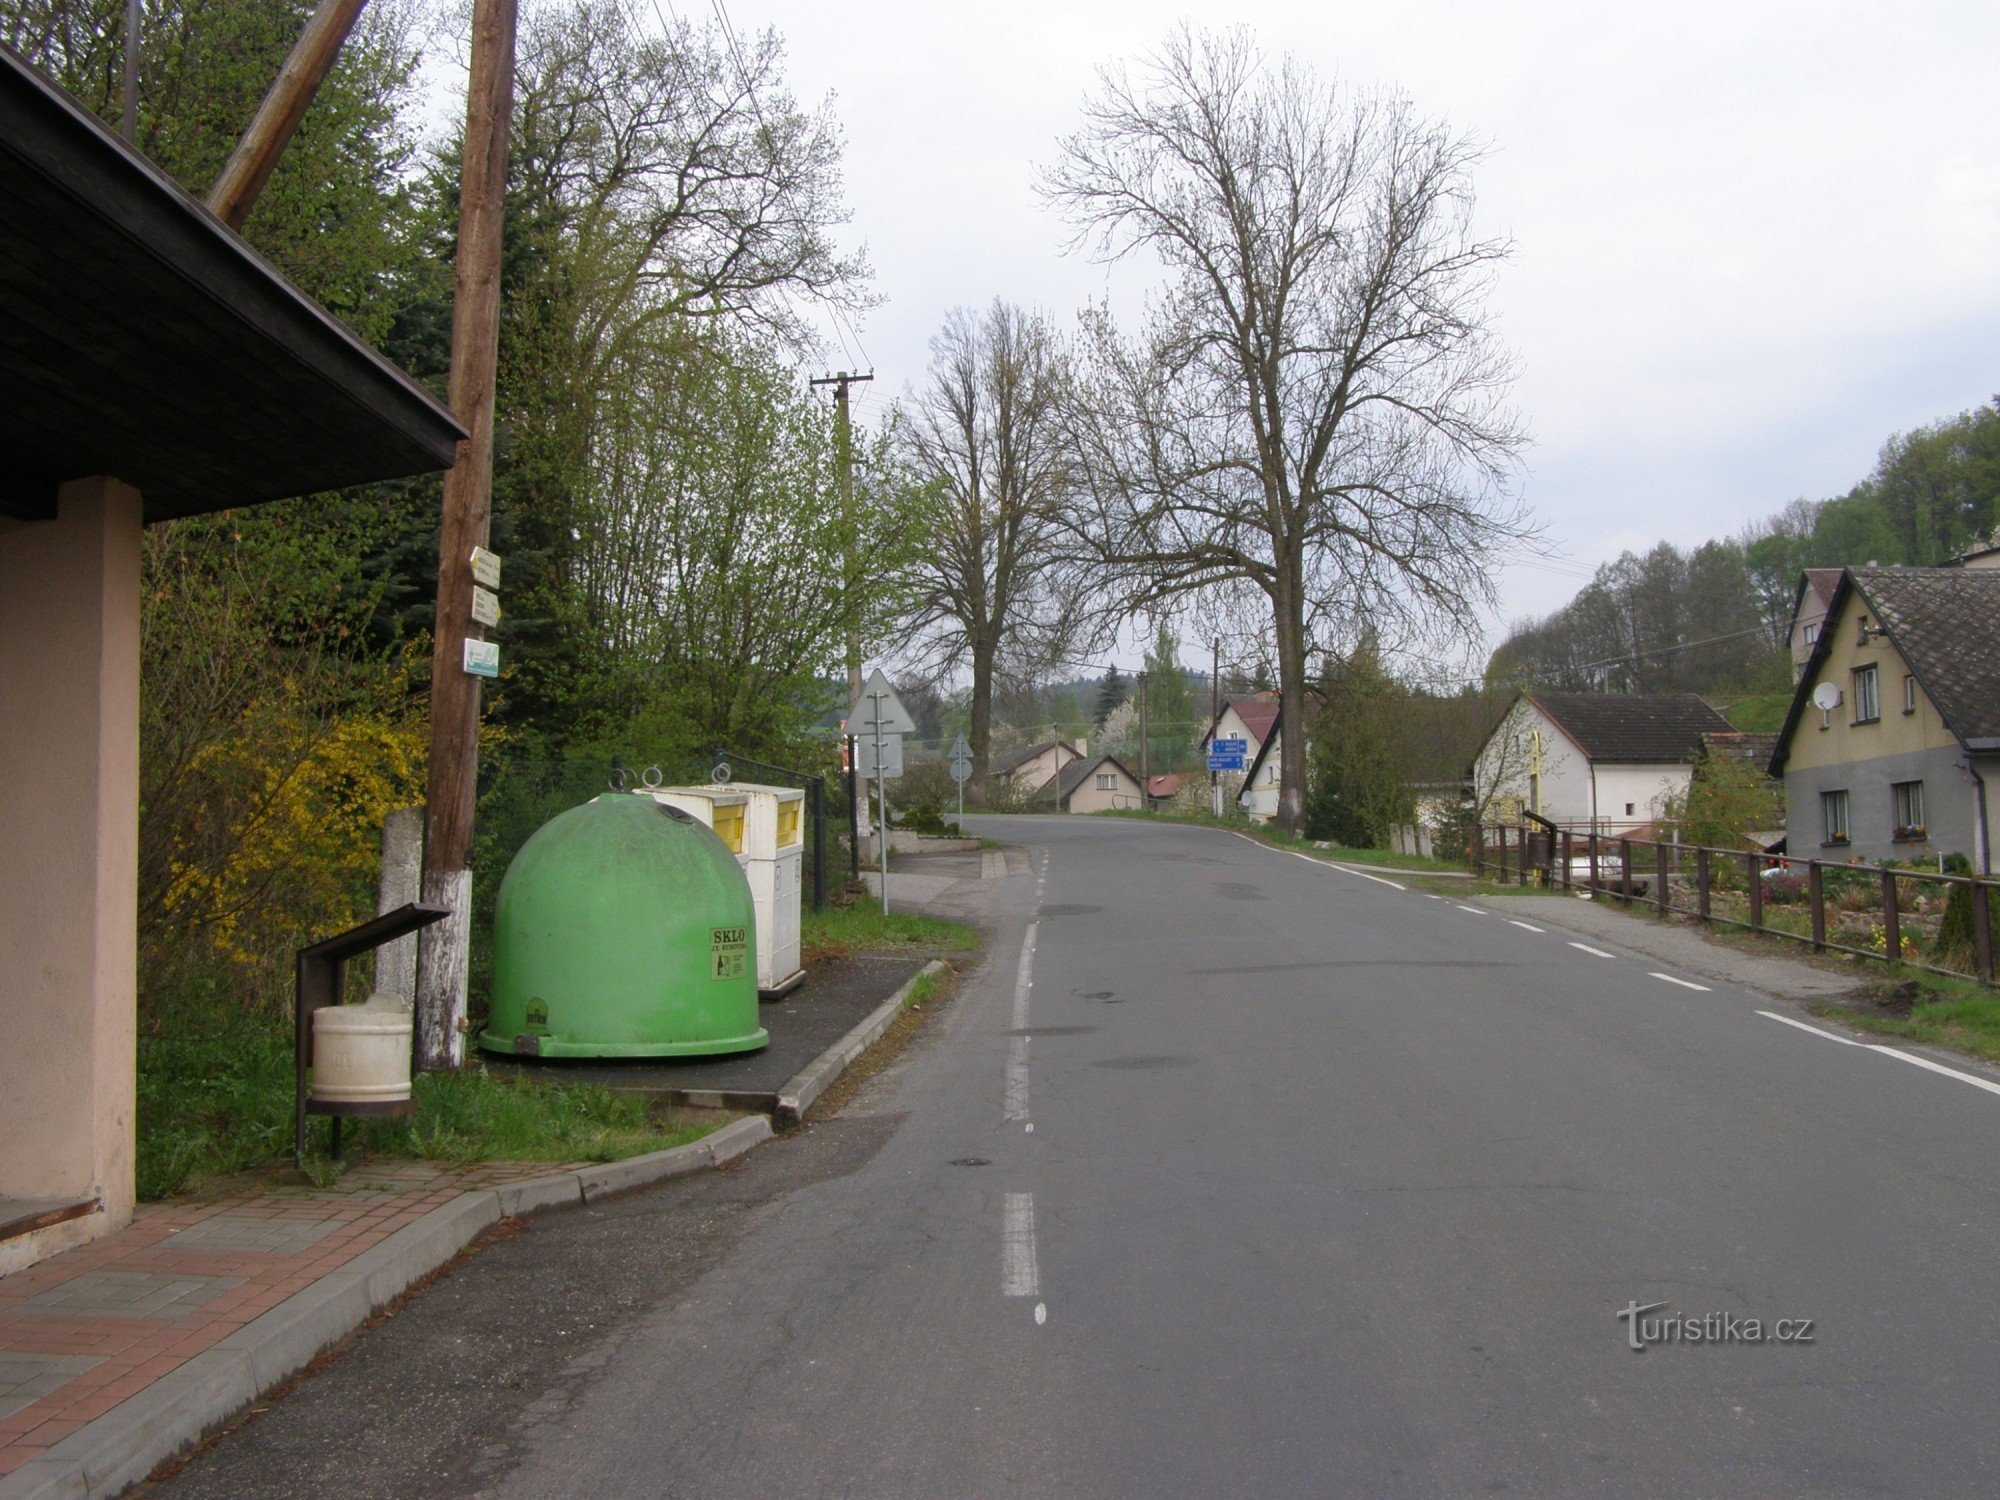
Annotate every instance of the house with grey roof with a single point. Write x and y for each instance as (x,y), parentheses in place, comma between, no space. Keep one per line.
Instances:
(1098,784)
(1605,762)
(1893,737)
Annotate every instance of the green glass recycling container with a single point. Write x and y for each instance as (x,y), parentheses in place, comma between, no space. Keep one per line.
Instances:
(624,928)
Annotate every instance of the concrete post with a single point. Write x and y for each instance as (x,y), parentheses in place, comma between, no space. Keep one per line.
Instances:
(402,883)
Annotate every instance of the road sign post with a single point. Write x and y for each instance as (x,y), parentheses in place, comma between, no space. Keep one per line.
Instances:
(961,772)
(880,719)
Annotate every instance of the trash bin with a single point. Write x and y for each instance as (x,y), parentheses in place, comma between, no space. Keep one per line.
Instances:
(724,809)
(774,847)
(624,928)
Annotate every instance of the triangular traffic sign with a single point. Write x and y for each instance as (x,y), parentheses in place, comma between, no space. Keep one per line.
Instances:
(878,703)
(960,750)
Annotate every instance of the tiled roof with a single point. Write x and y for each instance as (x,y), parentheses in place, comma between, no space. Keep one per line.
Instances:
(1632,728)
(1166,783)
(1015,759)
(1822,581)
(1258,714)
(1072,775)
(1945,624)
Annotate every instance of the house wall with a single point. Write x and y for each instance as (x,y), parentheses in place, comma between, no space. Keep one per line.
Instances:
(1806,626)
(1035,772)
(1566,794)
(69,840)
(1088,798)
(1830,752)
(1259,796)
(1231,726)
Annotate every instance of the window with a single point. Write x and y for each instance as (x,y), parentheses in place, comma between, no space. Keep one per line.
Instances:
(1833,815)
(1107,781)
(1628,808)
(1867,696)
(1909,693)
(1909,809)
(1812,634)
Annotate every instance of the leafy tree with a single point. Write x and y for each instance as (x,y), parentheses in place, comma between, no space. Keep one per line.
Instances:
(1111,692)
(993,589)
(1312,419)
(1358,786)
(1728,797)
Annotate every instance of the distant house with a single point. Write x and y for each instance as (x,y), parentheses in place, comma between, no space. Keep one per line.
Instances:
(1098,784)
(1599,761)
(1255,719)
(1261,776)
(1250,718)
(1032,769)
(1896,764)
(1809,602)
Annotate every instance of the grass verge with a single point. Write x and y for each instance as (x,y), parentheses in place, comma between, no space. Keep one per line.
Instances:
(860,926)
(1961,1014)
(215,1104)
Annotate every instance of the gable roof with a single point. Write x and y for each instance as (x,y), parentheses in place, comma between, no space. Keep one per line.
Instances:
(1072,776)
(1632,728)
(1011,762)
(1258,711)
(1166,783)
(1945,625)
(1821,582)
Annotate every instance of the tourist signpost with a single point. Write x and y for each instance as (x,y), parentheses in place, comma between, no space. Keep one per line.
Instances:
(879,721)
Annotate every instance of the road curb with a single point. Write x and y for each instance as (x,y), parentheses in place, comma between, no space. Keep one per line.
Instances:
(120,1448)
(797,1096)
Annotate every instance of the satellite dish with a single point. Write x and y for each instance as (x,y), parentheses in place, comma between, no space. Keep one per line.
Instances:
(1826,697)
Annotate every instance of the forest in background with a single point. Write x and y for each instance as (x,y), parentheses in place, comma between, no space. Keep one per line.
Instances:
(1712,620)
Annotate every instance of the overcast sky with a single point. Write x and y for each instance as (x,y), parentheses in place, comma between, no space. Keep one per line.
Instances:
(1752,240)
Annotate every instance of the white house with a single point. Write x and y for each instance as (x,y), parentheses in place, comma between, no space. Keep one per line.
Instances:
(1252,718)
(1600,761)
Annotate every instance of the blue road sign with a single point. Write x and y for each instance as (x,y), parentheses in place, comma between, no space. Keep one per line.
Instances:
(1227,754)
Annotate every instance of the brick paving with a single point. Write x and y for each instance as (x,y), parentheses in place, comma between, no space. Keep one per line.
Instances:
(88,1328)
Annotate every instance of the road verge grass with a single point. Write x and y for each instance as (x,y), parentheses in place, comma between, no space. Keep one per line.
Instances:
(217,1101)
(860,925)
(1961,1014)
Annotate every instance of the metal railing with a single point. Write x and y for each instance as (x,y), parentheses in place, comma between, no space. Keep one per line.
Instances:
(1891,913)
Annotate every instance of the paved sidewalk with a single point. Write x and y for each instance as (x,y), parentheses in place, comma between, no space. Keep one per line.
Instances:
(81,1332)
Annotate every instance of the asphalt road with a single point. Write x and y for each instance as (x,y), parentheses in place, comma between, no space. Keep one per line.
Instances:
(1275,1180)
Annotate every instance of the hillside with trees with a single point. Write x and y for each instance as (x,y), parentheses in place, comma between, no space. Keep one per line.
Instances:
(1713,620)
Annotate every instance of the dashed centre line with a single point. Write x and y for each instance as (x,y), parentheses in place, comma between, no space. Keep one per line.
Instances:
(1020,1272)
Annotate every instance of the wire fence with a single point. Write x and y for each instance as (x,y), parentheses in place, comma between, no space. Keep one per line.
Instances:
(1925,919)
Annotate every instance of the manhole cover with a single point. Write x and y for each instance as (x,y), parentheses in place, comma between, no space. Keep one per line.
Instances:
(972,1161)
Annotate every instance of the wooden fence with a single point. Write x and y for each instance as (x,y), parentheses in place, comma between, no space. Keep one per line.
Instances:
(1867,910)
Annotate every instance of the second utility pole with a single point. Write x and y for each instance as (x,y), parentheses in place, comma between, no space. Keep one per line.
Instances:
(843,462)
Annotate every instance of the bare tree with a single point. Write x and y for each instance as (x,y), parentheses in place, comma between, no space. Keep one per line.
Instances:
(1314,413)
(995,586)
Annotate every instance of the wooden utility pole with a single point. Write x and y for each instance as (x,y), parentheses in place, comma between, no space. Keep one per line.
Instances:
(249,166)
(468,510)
(1145,748)
(843,461)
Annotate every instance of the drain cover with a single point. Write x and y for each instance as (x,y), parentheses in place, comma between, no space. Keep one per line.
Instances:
(972,1161)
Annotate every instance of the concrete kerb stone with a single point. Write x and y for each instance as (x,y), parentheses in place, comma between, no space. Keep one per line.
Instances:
(120,1448)
(797,1096)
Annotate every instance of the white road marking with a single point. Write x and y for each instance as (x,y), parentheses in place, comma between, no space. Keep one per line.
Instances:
(1686,984)
(1473,909)
(1594,952)
(1529,926)
(1816,1031)
(1041,1313)
(1019,1274)
(1024,977)
(1015,1105)
(1396,885)
(1896,1052)
(1428,896)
